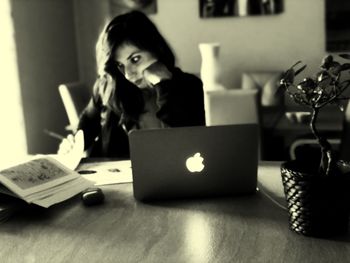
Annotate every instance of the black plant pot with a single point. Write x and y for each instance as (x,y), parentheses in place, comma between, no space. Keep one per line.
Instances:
(318,205)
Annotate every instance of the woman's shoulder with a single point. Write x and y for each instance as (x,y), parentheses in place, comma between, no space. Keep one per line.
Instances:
(187,76)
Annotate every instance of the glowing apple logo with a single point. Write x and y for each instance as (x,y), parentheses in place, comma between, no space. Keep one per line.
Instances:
(195,163)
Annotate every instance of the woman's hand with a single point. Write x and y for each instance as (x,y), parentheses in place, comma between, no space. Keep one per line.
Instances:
(72,144)
(156,72)
(66,145)
(71,150)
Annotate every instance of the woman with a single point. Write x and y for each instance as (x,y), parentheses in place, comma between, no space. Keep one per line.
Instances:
(138,87)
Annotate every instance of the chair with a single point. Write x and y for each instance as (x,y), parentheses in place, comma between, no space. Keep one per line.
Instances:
(235,106)
(309,142)
(75,97)
(270,104)
(267,83)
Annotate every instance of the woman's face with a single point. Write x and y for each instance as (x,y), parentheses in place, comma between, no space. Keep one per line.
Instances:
(132,61)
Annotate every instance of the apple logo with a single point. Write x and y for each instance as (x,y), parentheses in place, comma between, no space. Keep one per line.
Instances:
(195,163)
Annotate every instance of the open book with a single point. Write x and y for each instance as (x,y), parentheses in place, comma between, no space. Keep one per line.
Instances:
(43,181)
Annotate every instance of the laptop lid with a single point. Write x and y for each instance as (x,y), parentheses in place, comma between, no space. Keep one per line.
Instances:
(194,161)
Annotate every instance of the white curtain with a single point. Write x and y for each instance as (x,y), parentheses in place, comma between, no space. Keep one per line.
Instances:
(12,131)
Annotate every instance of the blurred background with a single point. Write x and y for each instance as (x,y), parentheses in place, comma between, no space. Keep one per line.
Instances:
(49,42)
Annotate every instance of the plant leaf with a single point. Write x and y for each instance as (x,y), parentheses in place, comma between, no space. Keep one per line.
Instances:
(288,76)
(298,62)
(345,66)
(346,56)
(300,70)
(326,61)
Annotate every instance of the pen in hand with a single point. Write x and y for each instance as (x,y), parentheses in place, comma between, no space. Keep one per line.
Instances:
(54,134)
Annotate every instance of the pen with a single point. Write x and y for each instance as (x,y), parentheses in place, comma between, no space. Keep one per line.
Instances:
(54,134)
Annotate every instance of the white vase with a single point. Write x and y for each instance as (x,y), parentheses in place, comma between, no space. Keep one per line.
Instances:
(210,67)
(210,72)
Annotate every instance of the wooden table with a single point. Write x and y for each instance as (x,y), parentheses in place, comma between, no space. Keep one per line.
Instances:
(236,229)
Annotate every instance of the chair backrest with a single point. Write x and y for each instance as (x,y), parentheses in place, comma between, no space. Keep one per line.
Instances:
(235,106)
(344,151)
(267,83)
(75,97)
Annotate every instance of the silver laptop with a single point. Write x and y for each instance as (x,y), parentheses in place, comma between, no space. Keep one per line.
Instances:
(192,162)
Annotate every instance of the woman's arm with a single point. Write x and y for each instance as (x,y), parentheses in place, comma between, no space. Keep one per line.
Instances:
(181,100)
(90,118)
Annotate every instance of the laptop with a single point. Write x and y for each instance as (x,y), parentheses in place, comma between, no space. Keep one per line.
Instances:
(190,162)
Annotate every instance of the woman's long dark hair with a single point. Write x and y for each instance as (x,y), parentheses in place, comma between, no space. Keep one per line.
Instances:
(137,29)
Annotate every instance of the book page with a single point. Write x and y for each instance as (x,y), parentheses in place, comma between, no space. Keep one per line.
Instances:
(108,172)
(68,190)
(35,175)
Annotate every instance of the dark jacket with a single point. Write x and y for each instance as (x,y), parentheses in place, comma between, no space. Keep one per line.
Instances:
(180,103)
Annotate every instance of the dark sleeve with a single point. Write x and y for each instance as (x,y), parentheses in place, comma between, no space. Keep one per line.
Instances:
(90,118)
(181,101)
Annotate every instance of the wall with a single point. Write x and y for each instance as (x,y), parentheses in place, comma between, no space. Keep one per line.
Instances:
(90,17)
(46,49)
(247,43)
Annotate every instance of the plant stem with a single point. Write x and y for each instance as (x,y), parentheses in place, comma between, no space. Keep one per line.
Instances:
(326,161)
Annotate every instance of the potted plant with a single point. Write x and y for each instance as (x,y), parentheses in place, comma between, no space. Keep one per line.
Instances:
(316,193)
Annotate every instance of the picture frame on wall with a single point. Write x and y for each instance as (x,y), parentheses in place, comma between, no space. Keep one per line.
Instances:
(237,8)
(118,7)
